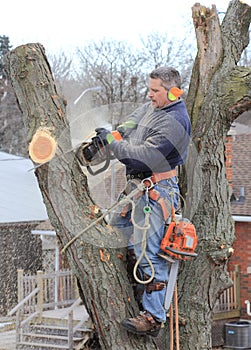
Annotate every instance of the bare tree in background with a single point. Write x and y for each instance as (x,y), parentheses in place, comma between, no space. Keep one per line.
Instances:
(120,71)
(116,68)
(158,50)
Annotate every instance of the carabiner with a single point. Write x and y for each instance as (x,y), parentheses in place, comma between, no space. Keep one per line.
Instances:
(151,184)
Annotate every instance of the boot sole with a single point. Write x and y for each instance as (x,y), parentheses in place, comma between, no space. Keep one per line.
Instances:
(133,330)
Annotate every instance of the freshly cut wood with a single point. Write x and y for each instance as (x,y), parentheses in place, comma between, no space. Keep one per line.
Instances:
(43,146)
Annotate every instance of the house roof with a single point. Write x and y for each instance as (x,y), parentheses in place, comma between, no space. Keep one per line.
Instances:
(241,167)
(20,196)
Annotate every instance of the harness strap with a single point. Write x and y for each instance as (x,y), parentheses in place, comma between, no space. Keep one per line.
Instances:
(154,286)
(155,196)
(156,177)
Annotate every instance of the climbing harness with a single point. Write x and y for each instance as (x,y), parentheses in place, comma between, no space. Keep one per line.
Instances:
(179,242)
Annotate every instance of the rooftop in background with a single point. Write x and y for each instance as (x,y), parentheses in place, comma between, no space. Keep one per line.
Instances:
(241,165)
(20,196)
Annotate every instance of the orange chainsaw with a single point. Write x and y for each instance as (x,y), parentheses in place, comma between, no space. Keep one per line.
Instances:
(180,240)
(178,244)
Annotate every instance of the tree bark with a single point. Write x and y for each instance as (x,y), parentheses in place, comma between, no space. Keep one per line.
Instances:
(219,91)
(98,266)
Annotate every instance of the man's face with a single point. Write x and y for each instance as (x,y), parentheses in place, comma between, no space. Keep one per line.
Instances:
(157,93)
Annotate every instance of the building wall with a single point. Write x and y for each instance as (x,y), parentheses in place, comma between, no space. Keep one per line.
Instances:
(19,249)
(229,159)
(242,257)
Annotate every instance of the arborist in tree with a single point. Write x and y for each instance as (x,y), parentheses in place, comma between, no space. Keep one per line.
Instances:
(155,141)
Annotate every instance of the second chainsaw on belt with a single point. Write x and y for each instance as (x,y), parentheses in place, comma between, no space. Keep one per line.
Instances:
(179,243)
(180,240)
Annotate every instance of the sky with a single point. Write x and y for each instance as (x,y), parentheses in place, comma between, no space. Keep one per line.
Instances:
(67,25)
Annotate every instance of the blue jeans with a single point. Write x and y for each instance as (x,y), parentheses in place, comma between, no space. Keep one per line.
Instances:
(151,302)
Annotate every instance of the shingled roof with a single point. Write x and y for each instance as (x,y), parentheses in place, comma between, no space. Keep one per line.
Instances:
(241,164)
(241,168)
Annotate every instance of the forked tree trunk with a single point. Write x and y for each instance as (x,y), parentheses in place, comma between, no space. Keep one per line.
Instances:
(219,92)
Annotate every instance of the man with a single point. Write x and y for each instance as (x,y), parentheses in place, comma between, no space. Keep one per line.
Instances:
(155,141)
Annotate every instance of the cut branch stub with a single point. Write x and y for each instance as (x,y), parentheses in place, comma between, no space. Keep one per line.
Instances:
(43,146)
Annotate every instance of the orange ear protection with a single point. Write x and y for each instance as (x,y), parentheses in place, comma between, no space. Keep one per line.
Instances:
(174,93)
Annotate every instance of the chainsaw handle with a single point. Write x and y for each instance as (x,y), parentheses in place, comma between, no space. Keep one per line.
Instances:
(97,141)
(100,170)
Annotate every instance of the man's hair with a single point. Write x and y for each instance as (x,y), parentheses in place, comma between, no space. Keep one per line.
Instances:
(170,77)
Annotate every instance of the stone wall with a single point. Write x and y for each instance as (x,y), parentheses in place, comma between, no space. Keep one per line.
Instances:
(19,249)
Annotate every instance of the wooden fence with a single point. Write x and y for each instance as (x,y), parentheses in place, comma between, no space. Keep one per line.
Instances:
(58,289)
(228,305)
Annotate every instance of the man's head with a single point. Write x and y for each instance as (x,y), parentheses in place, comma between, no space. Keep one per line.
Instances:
(162,80)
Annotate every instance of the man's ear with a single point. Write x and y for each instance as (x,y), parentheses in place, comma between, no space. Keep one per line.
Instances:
(174,93)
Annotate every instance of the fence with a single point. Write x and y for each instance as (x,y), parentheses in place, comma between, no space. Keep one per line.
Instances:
(228,305)
(58,289)
(41,292)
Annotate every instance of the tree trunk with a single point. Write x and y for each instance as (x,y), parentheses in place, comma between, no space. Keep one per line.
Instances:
(98,266)
(219,92)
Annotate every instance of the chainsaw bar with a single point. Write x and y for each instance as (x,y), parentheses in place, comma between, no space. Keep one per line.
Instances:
(171,284)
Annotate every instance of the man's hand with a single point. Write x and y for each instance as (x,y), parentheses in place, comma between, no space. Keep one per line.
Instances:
(126,126)
(105,135)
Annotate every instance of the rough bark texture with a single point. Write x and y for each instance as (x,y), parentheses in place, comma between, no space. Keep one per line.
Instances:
(99,269)
(219,91)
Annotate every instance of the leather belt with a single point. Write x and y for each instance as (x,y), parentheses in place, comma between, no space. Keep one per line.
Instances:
(139,175)
(156,177)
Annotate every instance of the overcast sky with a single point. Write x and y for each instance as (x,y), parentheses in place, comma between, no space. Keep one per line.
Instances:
(65,25)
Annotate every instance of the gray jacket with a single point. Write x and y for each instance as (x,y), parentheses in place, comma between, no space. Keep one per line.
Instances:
(158,143)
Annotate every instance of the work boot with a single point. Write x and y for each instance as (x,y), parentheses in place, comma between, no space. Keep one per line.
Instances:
(144,324)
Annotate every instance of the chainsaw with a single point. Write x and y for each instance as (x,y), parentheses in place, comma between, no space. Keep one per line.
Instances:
(180,240)
(178,244)
(96,152)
